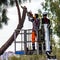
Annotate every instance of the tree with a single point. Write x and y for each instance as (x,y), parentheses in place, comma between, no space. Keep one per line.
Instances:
(53,7)
(20,24)
(59,42)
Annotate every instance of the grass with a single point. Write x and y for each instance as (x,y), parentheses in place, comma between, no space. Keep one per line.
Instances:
(58,54)
(28,57)
(31,57)
(34,57)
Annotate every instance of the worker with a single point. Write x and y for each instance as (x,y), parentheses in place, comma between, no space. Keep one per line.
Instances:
(46,25)
(36,22)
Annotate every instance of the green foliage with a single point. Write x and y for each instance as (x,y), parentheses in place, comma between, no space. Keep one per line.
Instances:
(4,17)
(28,57)
(19,1)
(29,0)
(0,25)
(3,2)
(59,43)
(24,0)
(7,3)
(13,58)
(53,7)
(40,13)
(0,2)
(3,10)
(11,2)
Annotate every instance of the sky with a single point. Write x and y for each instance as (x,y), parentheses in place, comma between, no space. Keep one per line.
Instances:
(7,30)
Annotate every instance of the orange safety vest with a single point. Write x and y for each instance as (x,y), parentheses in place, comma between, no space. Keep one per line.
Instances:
(33,36)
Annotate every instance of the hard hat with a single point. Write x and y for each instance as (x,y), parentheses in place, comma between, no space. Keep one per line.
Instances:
(44,13)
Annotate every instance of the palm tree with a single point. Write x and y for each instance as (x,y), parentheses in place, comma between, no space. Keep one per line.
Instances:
(19,26)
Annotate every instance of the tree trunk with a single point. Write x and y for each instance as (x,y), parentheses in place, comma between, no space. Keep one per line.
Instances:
(20,25)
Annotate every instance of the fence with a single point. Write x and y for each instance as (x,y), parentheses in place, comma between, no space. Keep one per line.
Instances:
(26,42)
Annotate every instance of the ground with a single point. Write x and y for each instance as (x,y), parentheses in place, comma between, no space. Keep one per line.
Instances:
(31,57)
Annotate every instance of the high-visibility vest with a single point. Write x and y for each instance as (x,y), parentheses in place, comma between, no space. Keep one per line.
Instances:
(33,37)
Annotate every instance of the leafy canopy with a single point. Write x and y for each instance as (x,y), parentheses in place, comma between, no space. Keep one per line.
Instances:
(53,7)
(3,9)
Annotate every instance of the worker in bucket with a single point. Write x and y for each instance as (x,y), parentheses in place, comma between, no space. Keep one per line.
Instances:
(46,25)
(35,22)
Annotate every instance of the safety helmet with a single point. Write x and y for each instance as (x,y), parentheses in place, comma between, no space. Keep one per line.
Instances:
(45,14)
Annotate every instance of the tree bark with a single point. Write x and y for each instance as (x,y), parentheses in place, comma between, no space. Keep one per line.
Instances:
(20,25)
